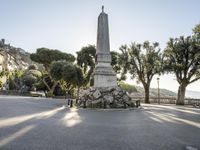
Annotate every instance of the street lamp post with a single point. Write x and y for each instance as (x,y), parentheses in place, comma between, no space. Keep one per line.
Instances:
(158,90)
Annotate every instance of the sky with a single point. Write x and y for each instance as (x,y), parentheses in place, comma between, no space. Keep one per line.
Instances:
(68,25)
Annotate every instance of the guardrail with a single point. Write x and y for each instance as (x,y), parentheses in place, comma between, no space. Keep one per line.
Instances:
(167,100)
(9,92)
(30,93)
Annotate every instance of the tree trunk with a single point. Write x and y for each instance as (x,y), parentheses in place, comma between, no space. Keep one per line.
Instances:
(77,96)
(78,91)
(181,94)
(146,97)
(53,87)
(46,84)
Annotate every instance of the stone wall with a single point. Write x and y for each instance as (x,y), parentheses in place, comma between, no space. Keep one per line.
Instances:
(110,97)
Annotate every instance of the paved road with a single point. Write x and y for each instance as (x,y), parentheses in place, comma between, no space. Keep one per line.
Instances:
(45,124)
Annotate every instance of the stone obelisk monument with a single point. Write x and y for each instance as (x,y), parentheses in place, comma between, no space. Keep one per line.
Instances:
(104,76)
(105,93)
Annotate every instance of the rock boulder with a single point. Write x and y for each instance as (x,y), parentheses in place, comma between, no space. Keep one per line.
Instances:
(107,97)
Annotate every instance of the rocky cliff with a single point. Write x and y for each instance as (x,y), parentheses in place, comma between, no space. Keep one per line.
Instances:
(13,58)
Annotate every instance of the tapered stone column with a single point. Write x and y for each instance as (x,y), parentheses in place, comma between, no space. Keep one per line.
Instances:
(104,76)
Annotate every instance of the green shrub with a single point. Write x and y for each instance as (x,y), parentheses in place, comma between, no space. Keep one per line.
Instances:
(33,67)
(1,84)
(29,80)
(49,94)
(127,87)
(12,85)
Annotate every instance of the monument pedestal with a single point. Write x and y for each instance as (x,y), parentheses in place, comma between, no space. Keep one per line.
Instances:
(104,76)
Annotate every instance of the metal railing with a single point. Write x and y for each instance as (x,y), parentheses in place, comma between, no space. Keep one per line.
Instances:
(167,100)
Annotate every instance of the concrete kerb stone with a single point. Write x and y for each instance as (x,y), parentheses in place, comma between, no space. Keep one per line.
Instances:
(112,109)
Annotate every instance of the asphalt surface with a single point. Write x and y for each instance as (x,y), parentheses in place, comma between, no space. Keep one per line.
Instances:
(47,124)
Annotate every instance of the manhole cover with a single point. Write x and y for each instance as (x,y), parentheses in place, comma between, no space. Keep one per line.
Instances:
(191,148)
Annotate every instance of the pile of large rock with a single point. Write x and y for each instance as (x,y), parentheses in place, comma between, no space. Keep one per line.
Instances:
(110,97)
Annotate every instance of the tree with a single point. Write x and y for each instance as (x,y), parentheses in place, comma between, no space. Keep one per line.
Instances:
(196,34)
(66,71)
(142,61)
(56,69)
(196,29)
(15,79)
(74,76)
(33,67)
(28,77)
(46,56)
(79,79)
(116,63)
(86,60)
(182,57)
(29,80)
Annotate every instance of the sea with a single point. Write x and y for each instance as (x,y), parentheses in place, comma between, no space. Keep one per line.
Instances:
(192,94)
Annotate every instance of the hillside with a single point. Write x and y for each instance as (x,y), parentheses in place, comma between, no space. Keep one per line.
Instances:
(153,92)
(139,91)
(12,58)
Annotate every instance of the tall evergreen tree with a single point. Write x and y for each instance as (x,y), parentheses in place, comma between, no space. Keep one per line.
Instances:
(46,56)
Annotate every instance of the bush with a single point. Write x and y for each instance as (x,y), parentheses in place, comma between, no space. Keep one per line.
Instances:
(1,84)
(29,80)
(40,86)
(35,73)
(12,85)
(33,67)
(49,94)
(58,91)
(127,87)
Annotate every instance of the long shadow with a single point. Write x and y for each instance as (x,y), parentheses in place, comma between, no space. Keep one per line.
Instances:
(12,107)
(40,130)
(56,127)
(12,130)
(82,129)
(182,112)
(12,121)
